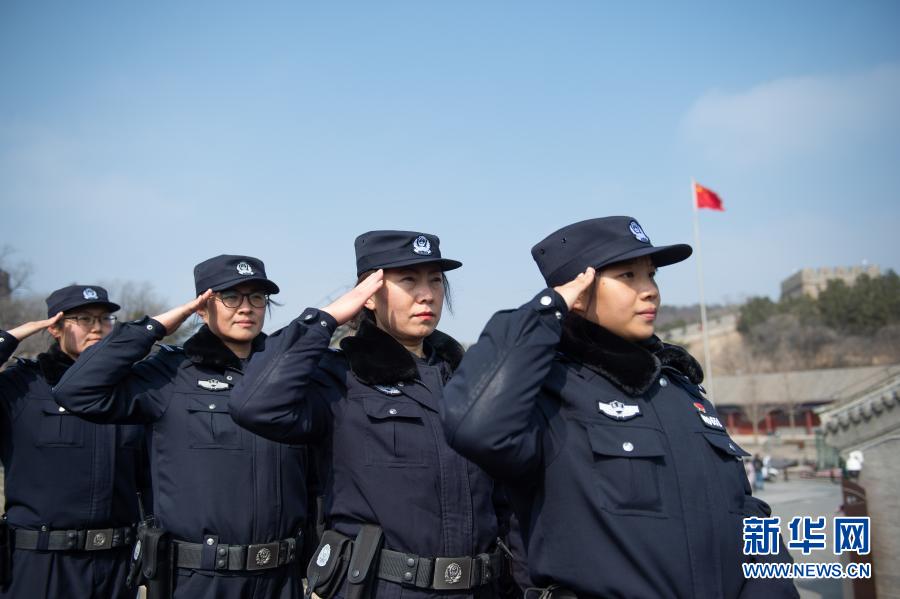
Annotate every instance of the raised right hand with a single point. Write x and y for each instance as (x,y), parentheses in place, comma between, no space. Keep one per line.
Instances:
(28,329)
(574,288)
(176,316)
(348,305)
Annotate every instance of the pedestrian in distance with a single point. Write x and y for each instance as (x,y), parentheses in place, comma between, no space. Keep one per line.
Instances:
(71,486)
(620,470)
(405,514)
(229,507)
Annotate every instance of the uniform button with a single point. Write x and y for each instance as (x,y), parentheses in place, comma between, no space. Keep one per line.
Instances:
(309,317)
(212,406)
(627,446)
(221,551)
(72,534)
(400,384)
(2,339)
(43,528)
(210,541)
(663,382)
(558,315)
(392,411)
(731,446)
(410,562)
(407,576)
(229,377)
(546,300)
(355,573)
(323,323)
(221,563)
(62,409)
(149,327)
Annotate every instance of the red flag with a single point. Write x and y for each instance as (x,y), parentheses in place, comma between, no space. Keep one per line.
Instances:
(707,198)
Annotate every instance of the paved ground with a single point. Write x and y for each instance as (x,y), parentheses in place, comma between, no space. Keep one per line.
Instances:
(804,497)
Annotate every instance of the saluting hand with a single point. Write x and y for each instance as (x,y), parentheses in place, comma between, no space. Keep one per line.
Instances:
(28,329)
(176,316)
(574,288)
(348,305)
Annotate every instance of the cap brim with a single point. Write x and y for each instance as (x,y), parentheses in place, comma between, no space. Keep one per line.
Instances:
(112,307)
(267,285)
(445,263)
(663,255)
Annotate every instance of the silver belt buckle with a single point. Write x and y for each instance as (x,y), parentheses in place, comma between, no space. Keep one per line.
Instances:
(452,573)
(263,556)
(96,540)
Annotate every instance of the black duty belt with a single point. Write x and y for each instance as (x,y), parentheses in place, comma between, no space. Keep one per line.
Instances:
(440,573)
(261,556)
(92,539)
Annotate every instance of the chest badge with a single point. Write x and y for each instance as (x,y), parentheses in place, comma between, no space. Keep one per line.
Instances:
(213,385)
(619,411)
(388,389)
(710,421)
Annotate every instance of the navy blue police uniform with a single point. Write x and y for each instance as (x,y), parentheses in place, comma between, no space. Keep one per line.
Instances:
(234,503)
(372,410)
(622,474)
(71,486)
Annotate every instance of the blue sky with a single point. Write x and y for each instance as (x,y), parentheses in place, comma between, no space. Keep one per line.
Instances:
(136,141)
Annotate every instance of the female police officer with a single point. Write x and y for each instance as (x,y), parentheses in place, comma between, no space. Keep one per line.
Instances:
(624,479)
(233,503)
(421,516)
(70,485)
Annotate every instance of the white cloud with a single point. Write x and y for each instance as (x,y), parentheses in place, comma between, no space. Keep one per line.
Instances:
(791,117)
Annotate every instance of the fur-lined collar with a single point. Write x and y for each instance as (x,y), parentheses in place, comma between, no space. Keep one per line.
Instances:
(205,349)
(53,364)
(632,367)
(376,358)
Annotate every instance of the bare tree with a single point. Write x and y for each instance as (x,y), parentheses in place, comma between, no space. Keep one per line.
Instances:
(139,299)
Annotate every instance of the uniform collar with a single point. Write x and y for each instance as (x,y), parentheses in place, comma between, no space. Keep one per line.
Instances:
(376,358)
(206,349)
(632,367)
(53,364)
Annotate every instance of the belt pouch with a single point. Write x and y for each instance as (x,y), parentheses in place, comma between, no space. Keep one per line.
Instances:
(157,563)
(5,553)
(328,565)
(366,549)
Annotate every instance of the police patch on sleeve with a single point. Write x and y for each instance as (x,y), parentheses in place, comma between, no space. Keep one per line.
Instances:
(422,246)
(89,294)
(244,269)
(638,232)
(619,411)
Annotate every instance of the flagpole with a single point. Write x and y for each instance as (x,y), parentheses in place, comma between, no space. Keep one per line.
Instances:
(708,379)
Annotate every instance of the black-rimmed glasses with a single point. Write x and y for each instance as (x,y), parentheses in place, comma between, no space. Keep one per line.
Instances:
(233,299)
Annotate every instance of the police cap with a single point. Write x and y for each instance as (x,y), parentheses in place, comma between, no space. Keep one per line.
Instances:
(76,296)
(394,249)
(227,271)
(599,242)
